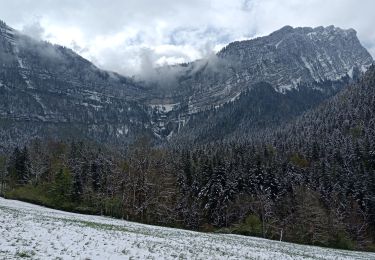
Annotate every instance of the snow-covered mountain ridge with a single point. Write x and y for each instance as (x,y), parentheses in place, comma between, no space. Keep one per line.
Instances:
(295,55)
(285,58)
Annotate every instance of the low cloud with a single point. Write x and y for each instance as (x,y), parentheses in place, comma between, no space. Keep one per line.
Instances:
(34,30)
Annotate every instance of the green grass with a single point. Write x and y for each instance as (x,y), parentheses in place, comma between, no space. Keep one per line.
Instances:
(39,195)
(25,254)
(29,193)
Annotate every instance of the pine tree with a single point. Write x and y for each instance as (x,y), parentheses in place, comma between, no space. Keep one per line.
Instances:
(19,167)
(62,188)
(3,175)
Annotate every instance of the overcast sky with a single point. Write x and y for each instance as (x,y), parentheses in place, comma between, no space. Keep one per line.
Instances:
(130,35)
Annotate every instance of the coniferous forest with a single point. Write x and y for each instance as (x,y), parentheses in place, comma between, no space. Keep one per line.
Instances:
(310,181)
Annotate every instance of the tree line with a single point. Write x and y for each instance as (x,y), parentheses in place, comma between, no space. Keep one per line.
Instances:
(226,187)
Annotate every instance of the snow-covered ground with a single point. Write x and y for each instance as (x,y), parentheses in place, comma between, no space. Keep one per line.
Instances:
(32,231)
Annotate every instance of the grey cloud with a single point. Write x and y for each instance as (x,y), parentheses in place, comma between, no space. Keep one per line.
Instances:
(34,30)
(147,64)
(133,35)
(77,48)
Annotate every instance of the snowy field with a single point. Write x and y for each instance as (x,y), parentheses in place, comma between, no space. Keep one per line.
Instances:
(29,231)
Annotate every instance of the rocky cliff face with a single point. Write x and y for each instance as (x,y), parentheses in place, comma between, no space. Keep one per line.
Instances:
(290,56)
(48,90)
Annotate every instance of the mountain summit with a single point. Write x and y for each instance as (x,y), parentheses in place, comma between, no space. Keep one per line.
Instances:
(285,59)
(293,55)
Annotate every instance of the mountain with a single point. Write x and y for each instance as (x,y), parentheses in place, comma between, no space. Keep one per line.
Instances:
(284,59)
(313,64)
(299,55)
(48,90)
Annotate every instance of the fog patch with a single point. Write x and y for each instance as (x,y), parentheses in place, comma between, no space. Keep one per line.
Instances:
(168,76)
(34,30)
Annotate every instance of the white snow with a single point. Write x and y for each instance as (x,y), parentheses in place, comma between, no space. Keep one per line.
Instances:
(119,132)
(16,52)
(169,136)
(192,109)
(350,72)
(20,62)
(364,68)
(39,101)
(42,233)
(287,87)
(277,44)
(235,97)
(310,68)
(284,88)
(165,107)
(93,95)
(96,107)
(124,130)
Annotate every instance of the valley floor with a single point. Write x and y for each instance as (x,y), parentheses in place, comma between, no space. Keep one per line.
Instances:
(36,232)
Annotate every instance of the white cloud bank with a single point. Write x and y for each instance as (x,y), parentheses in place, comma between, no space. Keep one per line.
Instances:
(128,36)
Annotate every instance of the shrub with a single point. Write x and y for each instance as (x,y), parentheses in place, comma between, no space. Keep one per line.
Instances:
(342,241)
(252,226)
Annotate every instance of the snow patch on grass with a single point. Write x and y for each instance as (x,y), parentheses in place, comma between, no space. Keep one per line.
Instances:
(34,232)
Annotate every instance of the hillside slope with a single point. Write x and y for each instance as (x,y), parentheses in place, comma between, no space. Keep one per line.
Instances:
(40,233)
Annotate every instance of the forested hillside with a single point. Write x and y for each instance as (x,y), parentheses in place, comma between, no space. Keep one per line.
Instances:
(255,110)
(310,181)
